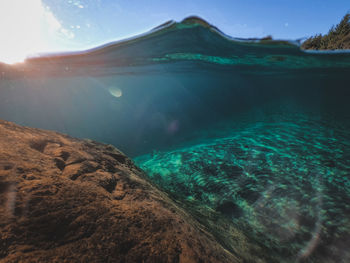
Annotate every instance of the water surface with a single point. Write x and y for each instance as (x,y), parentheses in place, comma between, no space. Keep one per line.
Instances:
(251,137)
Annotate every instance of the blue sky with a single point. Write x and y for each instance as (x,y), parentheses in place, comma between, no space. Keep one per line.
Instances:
(52,25)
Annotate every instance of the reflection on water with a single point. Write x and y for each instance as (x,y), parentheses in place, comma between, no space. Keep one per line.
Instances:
(251,138)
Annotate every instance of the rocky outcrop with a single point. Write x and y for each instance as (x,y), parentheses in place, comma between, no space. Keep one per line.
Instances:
(69,200)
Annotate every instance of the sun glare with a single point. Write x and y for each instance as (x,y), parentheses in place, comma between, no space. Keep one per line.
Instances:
(27,27)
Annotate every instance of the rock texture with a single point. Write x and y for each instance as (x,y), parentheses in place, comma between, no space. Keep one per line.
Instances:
(69,200)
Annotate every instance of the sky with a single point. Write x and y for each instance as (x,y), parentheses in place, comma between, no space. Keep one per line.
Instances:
(29,27)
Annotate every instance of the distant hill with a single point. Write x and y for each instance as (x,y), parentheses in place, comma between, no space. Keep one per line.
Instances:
(338,37)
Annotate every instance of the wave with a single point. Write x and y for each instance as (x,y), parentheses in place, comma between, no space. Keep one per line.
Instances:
(193,39)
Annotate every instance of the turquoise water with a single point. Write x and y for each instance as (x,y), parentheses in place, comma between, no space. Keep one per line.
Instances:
(283,180)
(251,137)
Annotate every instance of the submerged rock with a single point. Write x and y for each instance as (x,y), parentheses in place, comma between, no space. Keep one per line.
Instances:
(64,199)
(283,182)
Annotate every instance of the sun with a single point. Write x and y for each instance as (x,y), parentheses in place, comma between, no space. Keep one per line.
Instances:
(26,27)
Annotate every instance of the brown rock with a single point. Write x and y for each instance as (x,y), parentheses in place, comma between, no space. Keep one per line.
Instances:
(70,200)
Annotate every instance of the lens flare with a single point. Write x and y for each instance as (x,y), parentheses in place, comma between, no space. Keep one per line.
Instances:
(115,92)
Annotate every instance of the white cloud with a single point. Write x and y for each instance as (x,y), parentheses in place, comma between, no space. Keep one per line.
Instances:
(27,27)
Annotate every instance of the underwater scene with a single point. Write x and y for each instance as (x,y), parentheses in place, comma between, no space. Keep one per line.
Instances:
(251,137)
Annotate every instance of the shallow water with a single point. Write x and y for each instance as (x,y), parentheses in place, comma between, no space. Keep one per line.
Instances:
(252,138)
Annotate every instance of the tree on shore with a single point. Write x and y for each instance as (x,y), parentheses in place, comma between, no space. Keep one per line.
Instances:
(338,37)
